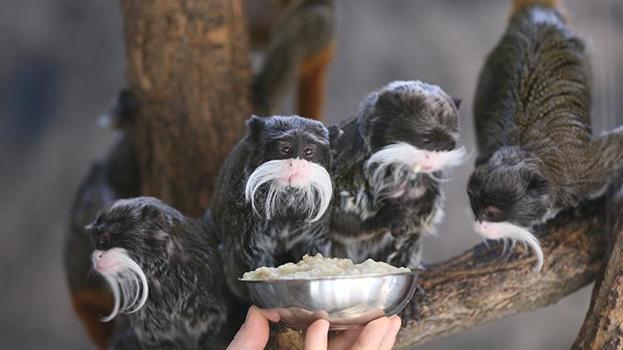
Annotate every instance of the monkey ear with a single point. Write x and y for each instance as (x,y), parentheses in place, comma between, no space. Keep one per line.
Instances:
(483,158)
(255,125)
(457,102)
(335,133)
(150,212)
(537,184)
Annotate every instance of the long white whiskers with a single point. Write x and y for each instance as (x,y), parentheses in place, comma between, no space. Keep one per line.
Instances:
(507,231)
(311,198)
(127,283)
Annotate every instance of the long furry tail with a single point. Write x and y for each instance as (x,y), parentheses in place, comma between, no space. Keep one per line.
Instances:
(519,5)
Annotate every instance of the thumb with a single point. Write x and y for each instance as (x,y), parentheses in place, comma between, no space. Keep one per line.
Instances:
(253,334)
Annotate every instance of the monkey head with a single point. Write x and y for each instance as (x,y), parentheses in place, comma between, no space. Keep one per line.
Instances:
(288,167)
(132,239)
(411,128)
(509,196)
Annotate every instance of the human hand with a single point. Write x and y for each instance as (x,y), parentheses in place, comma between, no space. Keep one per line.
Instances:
(379,334)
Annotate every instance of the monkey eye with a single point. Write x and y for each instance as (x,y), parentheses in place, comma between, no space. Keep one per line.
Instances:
(285,149)
(104,239)
(491,213)
(308,151)
(426,141)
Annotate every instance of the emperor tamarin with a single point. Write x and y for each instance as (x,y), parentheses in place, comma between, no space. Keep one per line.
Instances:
(387,167)
(272,196)
(537,152)
(111,177)
(165,274)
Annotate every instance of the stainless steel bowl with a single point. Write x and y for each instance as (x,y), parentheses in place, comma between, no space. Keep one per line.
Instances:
(346,302)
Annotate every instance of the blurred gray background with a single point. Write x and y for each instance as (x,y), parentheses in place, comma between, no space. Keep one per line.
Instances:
(62,61)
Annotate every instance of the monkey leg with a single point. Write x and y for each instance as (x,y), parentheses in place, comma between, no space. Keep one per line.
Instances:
(407,251)
(91,304)
(311,83)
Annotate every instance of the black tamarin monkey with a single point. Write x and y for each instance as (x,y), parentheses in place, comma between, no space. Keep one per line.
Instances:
(165,274)
(537,152)
(272,195)
(114,176)
(387,167)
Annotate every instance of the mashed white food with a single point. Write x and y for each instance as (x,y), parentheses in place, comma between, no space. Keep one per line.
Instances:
(319,266)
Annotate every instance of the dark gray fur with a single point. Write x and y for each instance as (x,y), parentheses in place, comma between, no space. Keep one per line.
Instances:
(537,152)
(392,228)
(186,307)
(249,240)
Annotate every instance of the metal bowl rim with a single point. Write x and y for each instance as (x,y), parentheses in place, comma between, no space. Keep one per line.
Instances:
(330,278)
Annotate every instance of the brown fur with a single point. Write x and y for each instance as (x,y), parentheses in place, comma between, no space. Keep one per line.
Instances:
(519,5)
(90,305)
(533,125)
(312,74)
(298,49)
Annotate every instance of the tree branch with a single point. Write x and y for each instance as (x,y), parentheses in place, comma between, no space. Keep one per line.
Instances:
(480,285)
(603,325)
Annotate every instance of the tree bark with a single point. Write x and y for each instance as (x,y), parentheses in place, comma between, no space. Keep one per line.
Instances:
(188,65)
(480,285)
(603,325)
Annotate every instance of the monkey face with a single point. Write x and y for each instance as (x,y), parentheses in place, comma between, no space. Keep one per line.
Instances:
(508,187)
(139,226)
(411,128)
(508,196)
(411,112)
(289,165)
(131,237)
(289,137)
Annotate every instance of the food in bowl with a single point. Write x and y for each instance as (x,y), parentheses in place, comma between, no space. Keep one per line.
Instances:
(317,266)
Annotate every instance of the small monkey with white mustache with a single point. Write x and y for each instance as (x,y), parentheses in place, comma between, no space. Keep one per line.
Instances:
(538,155)
(272,195)
(165,275)
(388,163)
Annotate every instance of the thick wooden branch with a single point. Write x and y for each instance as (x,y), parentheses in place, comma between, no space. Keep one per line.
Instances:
(188,65)
(603,325)
(481,285)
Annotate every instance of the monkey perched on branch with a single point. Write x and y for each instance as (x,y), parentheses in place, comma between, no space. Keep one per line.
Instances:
(165,274)
(113,177)
(298,40)
(388,164)
(272,195)
(537,152)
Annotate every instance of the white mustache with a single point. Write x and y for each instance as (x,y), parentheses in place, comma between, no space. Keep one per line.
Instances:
(401,161)
(128,284)
(311,198)
(508,231)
